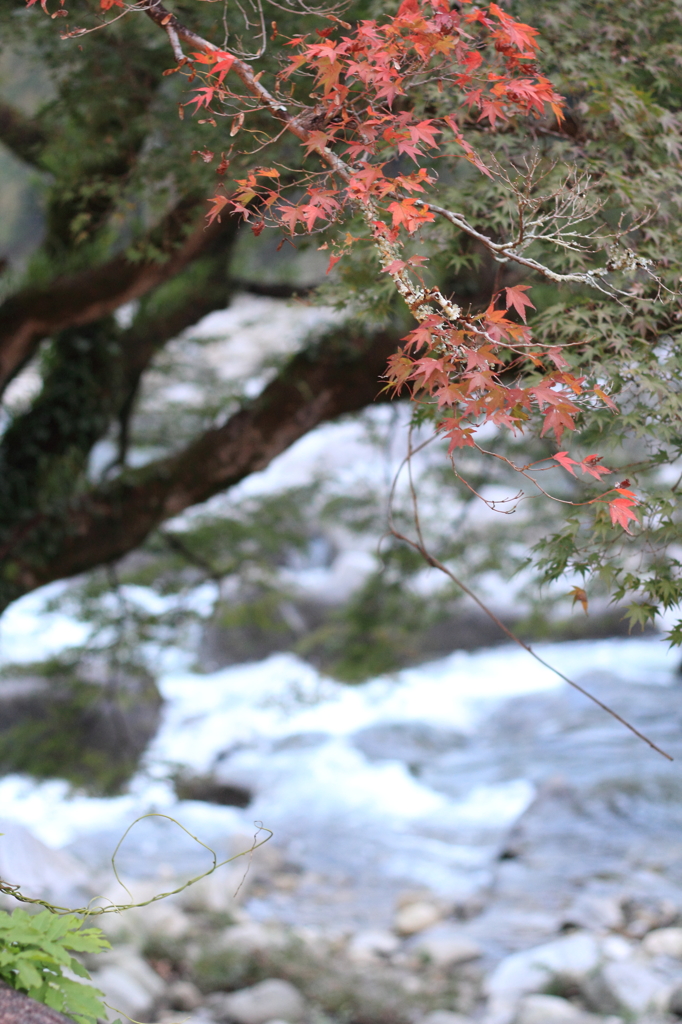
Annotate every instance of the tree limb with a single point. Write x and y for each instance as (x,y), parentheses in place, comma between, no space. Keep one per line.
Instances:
(23,135)
(320,384)
(32,314)
(275,290)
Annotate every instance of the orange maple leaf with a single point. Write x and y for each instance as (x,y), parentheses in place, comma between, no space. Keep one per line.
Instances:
(219,204)
(579,594)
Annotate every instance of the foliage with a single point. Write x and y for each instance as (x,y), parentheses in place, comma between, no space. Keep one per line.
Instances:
(35,952)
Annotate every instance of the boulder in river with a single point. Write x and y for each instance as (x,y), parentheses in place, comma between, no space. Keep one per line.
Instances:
(626,986)
(84,721)
(444,1017)
(543,1009)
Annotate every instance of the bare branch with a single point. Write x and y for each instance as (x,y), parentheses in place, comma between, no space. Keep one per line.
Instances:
(505,251)
(419,546)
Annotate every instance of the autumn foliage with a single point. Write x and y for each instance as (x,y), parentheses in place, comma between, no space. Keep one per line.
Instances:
(474,369)
(368,156)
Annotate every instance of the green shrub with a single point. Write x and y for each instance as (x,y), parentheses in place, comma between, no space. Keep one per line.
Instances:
(35,950)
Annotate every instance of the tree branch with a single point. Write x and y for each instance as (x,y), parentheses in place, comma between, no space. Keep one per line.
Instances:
(337,376)
(34,313)
(92,379)
(273,291)
(150,332)
(22,135)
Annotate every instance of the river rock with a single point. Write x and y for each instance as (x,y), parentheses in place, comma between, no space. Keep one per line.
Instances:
(675,1001)
(372,945)
(17,1008)
(625,985)
(444,944)
(128,982)
(415,917)
(162,919)
(273,999)
(40,870)
(216,892)
(541,1009)
(529,971)
(112,715)
(184,995)
(603,913)
(198,1016)
(664,942)
(444,1017)
(617,947)
(252,937)
(643,914)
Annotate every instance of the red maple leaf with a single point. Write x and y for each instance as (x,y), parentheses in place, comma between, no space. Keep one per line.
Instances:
(557,358)
(521,35)
(399,370)
(565,460)
(590,465)
(470,153)
(203,98)
(395,267)
(517,298)
(427,368)
(460,437)
(222,62)
(578,594)
(558,419)
(621,509)
(405,212)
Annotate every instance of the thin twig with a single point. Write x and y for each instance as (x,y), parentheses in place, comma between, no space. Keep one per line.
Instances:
(435,563)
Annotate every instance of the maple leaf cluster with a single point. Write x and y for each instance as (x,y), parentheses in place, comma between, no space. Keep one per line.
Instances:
(470,370)
(473,369)
(621,500)
(484,55)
